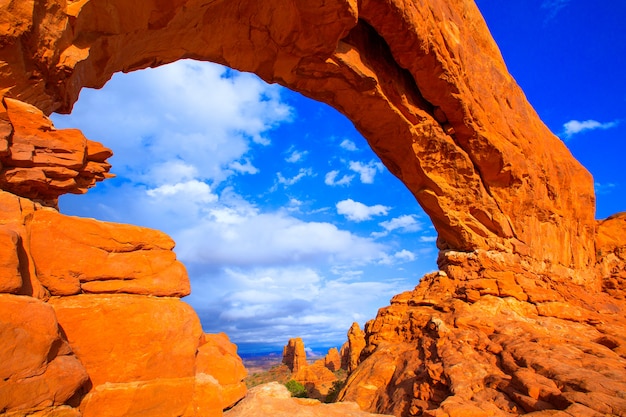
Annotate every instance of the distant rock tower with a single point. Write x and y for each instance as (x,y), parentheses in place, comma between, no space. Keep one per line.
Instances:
(294,355)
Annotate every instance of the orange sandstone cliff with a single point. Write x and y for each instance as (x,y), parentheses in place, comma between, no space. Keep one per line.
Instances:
(525,315)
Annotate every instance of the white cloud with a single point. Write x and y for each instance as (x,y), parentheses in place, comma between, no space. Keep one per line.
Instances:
(428,239)
(296,156)
(604,188)
(574,127)
(203,114)
(277,303)
(368,171)
(358,212)
(257,238)
(291,181)
(245,168)
(348,145)
(195,190)
(400,256)
(406,223)
(168,172)
(331,179)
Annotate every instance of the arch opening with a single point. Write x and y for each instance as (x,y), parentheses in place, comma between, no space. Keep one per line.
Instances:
(285,219)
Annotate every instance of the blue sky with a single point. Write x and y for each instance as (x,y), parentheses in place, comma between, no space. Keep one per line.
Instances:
(287,222)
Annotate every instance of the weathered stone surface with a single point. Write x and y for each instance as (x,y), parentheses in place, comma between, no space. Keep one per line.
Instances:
(332,360)
(491,355)
(316,378)
(10,276)
(74,255)
(164,397)
(37,367)
(356,343)
(274,400)
(611,252)
(13,212)
(41,162)
(294,355)
(128,338)
(218,357)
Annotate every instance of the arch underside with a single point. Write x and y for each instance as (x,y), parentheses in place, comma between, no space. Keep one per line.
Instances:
(422,81)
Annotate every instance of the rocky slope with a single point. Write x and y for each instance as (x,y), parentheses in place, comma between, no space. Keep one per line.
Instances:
(437,351)
(274,400)
(526,313)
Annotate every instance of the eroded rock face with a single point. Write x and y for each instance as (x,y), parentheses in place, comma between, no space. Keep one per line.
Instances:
(91,317)
(274,400)
(434,352)
(611,252)
(41,163)
(294,355)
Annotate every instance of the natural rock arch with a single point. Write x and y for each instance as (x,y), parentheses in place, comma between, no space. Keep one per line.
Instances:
(425,84)
(455,129)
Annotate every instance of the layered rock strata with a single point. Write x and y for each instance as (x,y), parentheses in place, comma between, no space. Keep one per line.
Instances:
(92,325)
(447,350)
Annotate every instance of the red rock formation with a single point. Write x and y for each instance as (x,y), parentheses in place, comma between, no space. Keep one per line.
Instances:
(355,345)
(123,258)
(493,355)
(91,317)
(274,400)
(41,163)
(317,379)
(294,355)
(37,367)
(611,252)
(332,360)
(520,306)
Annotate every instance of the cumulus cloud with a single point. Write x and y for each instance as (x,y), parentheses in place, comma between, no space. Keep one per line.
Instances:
(368,171)
(406,223)
(280,303)
(331,179)
(358,212)
(206,115)
(574,127)
(348,145)
(197,190)
(296,156)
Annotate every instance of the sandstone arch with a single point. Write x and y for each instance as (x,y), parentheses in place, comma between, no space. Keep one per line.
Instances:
(425,84)
(455,129)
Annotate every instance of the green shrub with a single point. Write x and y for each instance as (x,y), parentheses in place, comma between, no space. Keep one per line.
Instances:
(297,389)
(333,393)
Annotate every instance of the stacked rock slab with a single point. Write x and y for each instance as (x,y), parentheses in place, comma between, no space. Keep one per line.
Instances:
(111,349)
(522,304)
